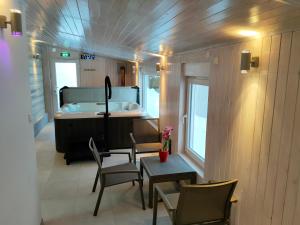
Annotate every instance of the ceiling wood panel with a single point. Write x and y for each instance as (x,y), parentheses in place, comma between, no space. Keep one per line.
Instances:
(129,29)
(219,26)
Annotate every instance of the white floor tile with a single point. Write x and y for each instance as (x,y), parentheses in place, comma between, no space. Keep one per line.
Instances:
(66,191)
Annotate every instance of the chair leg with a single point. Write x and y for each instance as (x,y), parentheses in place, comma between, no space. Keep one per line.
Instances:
(134,157)
(96,181)
(142,193)
(155,207)
(99,200)
(133,184)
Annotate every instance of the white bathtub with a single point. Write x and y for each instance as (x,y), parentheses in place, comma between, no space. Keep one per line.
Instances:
(94,110)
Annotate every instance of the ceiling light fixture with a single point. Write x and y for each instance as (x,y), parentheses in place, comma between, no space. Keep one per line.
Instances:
(38,41)
(248,33)
(15,22)
(153,54)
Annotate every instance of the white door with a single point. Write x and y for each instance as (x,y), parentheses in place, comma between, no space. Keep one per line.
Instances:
(65,75)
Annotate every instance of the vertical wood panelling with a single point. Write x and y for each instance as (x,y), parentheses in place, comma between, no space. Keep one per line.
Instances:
(246,99)
(293,169)
(211,122)
(253,126)
(171,101)
(260,102)
(220,103)
(267,126)
(232,110)
(286,136)
(36,84)
(276,127)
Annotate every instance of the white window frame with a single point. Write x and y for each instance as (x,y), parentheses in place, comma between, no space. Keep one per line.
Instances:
(189,152)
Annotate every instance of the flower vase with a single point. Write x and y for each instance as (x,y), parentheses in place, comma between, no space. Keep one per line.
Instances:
(163,156)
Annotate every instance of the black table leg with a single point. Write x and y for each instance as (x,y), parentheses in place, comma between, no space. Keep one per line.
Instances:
(142,173)
(150,193)
(194,179)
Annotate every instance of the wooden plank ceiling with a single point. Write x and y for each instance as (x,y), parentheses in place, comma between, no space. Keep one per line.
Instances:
(130,29)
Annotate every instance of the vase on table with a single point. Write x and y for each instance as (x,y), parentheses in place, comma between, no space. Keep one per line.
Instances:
(163,156)
(164,152)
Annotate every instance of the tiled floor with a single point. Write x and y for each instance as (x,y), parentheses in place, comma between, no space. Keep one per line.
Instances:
(66,197)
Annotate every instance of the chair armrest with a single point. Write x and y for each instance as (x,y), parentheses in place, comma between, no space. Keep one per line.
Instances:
(234,199)
(121,171)
(164,198)
(132,138)
(168,203)
(116,153)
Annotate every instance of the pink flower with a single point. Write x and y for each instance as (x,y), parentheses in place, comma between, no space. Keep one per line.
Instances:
(166,138)
(167,132)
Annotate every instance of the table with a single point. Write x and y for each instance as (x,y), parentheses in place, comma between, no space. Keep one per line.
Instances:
(174,169)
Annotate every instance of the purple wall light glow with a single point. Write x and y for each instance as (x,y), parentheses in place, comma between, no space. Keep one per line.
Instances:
(16,33)
(5,58)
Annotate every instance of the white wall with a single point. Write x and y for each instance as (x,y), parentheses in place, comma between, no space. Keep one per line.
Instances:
(253,126)
(92,72)
(19,201)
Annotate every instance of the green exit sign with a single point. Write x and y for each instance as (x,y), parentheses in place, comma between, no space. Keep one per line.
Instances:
(65,54)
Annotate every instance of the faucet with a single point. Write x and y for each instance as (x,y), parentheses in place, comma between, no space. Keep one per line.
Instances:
(107,95)
(106,114)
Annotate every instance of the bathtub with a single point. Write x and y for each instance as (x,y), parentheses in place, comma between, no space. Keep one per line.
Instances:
(75,123)
(96,110)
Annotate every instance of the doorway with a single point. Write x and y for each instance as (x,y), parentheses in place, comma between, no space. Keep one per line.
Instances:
(66,74)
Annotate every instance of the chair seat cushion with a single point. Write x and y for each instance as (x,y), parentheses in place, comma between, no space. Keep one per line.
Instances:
(148,147)
(118,178)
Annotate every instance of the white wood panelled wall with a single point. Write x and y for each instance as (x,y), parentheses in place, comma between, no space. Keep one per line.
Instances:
(253,129)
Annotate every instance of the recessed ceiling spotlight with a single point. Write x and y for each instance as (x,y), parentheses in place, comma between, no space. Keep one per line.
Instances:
(249,33)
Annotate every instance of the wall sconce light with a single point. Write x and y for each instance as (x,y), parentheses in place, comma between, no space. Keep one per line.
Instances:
(36,56)
(159,67)
(15,22)
(247,61)
(133,69)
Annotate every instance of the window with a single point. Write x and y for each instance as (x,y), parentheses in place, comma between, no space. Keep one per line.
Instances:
(197,117)
(151,95)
